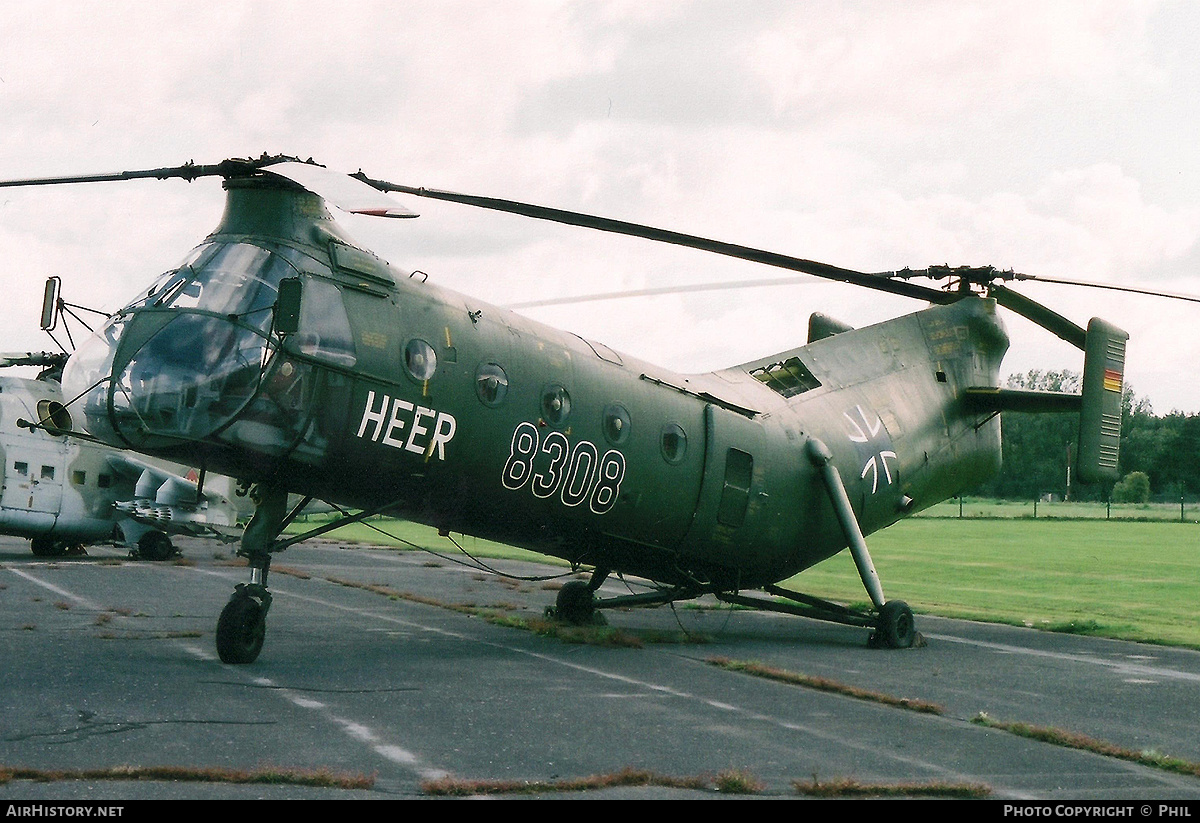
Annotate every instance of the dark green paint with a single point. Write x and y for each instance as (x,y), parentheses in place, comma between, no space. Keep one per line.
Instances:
(742,506)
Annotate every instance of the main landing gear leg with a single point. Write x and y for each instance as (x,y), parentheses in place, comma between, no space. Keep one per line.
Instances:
(576,600)
(242,626)
(894,626)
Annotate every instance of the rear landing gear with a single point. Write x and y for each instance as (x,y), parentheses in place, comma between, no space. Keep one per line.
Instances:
(576,601)
(43,546)
(155,546)
(894,628)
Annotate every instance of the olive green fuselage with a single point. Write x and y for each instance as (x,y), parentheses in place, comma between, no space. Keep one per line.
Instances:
(477,420)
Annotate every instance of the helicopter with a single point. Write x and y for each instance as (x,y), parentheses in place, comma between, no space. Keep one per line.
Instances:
(282,353)
(63,492)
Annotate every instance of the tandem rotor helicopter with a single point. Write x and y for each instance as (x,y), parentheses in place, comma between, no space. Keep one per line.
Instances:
(282,354)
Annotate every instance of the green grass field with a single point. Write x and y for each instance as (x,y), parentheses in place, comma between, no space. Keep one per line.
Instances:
(1126,579)
(1130,579)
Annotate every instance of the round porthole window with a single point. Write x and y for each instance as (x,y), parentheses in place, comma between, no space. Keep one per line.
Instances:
(420,359)
(556,404)
(616,424)
(674,443)
(491,384)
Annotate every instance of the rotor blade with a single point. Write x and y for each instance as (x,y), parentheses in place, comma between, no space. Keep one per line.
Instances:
(32,358)
(233,167)
(879,282)
(664,290)
(347,193)
(1131,289)
(1048,319)
(188,171)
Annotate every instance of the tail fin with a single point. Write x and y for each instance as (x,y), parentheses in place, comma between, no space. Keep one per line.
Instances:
(1100,417)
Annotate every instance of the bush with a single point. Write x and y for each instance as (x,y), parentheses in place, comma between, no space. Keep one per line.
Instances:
(1132,488)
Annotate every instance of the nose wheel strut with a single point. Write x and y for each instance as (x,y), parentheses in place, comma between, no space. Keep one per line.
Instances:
(242,626)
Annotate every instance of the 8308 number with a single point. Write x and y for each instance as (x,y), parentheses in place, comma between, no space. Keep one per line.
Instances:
(551,466)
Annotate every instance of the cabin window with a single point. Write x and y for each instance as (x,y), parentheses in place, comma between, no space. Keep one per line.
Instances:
(556,404)
(788,377)
(491,384)
(21,468)
(47,472)
(237,279)
(420,359)
(616,424)
(674,443)
(79,478)
(104,481)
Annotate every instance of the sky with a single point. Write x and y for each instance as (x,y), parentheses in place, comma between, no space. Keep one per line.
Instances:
(1056,139)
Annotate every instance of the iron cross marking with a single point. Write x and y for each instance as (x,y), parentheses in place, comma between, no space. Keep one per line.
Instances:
(866,431)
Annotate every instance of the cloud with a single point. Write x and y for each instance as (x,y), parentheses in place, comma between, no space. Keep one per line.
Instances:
(1044,137)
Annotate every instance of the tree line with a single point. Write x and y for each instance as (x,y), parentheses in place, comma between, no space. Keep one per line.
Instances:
(1159,457)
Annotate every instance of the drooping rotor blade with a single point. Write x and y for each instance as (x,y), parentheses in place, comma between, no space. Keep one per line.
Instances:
(880,282)
(347,193)
(1048,319)
(664,290)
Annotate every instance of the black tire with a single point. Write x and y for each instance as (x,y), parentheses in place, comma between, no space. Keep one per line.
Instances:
(575,603)
(241,630)
(896,627)
(45,546)
(155,546)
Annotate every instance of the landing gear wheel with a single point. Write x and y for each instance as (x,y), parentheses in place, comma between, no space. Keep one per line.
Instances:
(43,546)
(895,627)
(575,603)
(155,546)
(241,630)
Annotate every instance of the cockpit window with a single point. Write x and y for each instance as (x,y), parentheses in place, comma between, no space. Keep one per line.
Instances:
(196,258)
(239,280)
(324,326)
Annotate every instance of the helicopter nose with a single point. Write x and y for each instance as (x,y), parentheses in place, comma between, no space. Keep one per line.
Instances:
(85,379)
(164,377)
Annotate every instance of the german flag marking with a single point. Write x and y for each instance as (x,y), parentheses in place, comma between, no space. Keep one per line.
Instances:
(1112,380)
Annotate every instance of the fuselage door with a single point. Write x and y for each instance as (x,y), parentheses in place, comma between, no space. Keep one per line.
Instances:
(730,495)
(33,476)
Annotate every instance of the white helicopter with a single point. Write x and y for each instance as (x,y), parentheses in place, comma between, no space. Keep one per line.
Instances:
(66,492)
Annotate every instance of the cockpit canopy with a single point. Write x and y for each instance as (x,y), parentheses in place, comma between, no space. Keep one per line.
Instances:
(192,353)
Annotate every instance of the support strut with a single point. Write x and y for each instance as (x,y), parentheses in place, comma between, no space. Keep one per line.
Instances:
(894,621)
(822,458)
(242,627)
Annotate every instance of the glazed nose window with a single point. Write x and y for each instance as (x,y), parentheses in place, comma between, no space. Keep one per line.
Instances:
(189,378)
